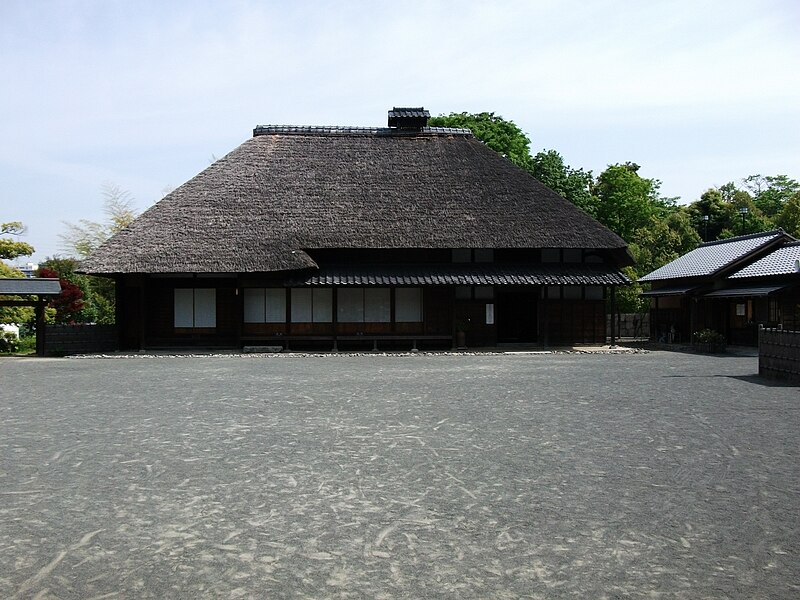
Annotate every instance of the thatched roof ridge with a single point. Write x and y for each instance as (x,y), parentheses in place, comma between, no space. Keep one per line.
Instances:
(283,191)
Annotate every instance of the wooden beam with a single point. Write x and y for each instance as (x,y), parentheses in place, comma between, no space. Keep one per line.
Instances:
(19,302)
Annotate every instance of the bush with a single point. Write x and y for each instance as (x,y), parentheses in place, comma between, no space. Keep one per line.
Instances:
(9,342)
(708,340)
(27,344)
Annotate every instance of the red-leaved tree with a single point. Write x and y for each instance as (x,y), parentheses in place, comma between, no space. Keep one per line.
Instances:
(69,302)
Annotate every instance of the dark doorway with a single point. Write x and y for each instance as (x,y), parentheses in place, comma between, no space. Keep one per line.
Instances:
(517,317)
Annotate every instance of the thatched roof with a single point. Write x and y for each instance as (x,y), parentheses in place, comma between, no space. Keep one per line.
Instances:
(290,189)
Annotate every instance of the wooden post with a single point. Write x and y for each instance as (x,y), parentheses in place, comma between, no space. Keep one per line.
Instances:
(40,327)
(613,313)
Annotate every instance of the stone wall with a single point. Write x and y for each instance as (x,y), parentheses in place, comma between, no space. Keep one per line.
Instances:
(779,354)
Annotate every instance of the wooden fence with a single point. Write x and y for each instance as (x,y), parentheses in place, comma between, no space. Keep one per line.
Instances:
(779,354)
(61,340)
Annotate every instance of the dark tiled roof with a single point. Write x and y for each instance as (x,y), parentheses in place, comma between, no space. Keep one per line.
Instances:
(464,274)
(783,261)
(28,286)
(417,113)
(283,191)
(713,257)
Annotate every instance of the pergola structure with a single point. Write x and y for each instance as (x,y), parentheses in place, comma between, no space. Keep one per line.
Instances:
(33,292)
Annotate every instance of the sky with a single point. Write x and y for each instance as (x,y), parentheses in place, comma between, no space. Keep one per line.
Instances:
(143,95)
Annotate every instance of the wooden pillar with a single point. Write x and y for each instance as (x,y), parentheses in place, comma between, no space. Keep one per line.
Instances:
(40,327)
(654,324)
(335,316)
(613,314)
(142,312)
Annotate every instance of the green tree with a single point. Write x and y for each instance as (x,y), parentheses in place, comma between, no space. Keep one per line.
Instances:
(625,201)
(753,220)
(501,135)
(80,241)
(663,240)
(85,236)
(96,293)
(770,192)
(573,184)
(14,314)
(721,213)
(789,217)
(9,247)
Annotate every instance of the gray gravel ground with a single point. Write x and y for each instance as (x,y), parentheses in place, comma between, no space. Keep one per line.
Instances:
(653,475)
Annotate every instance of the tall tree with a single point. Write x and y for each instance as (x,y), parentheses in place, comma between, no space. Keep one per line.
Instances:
(625,201)
(9,247)
(501,135)
(721,213)
(663,240)
(69,303)
(573,184)
(85,236)
(789,217)
(770,192)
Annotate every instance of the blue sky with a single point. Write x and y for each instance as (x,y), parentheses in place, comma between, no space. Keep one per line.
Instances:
(144,95)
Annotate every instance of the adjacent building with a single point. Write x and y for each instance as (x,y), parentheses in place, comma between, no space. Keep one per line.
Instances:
(731,286)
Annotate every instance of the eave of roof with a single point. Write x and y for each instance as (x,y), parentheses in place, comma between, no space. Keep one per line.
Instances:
(746,292)
(670,291)
(29,286)
(462,274)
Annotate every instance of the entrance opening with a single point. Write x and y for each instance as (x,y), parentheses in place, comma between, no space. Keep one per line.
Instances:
(517,317)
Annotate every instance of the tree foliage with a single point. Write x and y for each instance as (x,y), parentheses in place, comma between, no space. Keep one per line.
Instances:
(9,247)
(770,192)
(85,236)
(626,202)
(69,303)
(573,184)
(96,293)
(14,314)
(501,135)
(789,217)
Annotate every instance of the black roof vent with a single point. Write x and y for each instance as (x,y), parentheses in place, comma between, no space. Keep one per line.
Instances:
(408,118)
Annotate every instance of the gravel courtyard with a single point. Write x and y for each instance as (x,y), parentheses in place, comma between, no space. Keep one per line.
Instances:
(657,475)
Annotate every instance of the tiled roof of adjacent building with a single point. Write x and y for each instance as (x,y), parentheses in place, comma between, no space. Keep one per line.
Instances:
(713,257)
(782,261)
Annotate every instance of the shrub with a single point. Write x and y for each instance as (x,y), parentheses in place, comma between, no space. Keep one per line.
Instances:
(708,340)
(9,342)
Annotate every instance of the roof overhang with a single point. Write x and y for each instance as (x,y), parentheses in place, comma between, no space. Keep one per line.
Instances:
(462,274)
(29,286)
(747,292)
(670,291)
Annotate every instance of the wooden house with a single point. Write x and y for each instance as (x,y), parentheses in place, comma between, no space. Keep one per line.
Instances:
(355,236)
(730,286)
